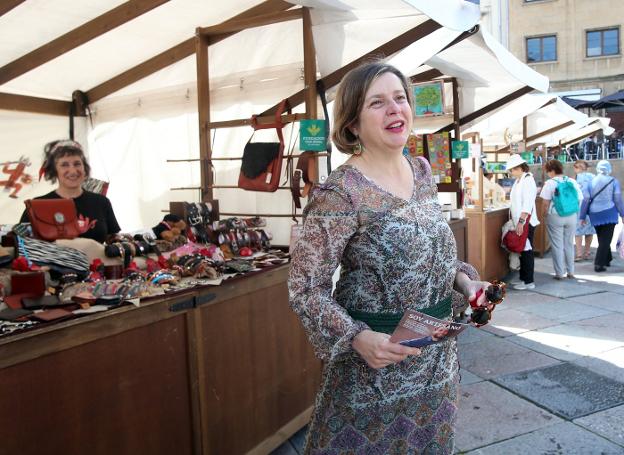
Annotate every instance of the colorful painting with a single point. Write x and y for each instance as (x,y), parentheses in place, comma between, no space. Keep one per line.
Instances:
(414,146)
(428,99)
(439,157)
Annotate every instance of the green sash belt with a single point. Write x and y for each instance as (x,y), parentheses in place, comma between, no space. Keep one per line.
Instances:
(387,322)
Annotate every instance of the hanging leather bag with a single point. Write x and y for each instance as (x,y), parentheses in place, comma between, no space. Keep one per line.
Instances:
(262,161)
(53,219)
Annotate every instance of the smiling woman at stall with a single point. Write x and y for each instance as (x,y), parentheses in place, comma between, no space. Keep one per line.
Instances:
(64,161)
(378,217)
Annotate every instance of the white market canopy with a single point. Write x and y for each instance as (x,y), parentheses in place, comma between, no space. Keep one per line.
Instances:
(548,118)
(488,77)
(135,63)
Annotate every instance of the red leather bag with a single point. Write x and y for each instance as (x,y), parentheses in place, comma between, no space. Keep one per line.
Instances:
(514,242)
(262,161)
(53,219)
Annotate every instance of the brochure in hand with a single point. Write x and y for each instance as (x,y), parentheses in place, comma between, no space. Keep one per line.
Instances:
(417,329)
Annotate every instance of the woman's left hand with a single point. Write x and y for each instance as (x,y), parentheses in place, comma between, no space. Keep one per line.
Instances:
(519,228)
(471,288)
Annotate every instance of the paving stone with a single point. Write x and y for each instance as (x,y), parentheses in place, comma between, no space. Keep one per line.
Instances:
(611,301)
(466,377)
(607,327)
(473,335)
(564,342)
(488,414)
(516,299)
(566,389)
(512,322)
(497,356)
(563,438)
(609,424)
(609,364)
(565,289)
(563,310)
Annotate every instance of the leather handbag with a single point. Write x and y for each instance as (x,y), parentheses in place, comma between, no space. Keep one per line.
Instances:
(262,161)
(53,219)
(514,242)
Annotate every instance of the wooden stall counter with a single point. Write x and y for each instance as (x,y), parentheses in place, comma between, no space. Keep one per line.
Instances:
(541,242)
(484,239)
(219,370)
(460,231)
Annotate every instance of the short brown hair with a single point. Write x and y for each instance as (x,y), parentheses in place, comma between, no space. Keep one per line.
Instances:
(525,167)
(350,100)
(58,149)
(581,163)
(554,166)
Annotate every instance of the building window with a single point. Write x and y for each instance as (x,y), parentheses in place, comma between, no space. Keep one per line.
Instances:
(603,42)
(541,49)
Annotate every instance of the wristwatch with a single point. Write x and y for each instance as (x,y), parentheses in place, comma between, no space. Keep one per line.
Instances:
(521,220)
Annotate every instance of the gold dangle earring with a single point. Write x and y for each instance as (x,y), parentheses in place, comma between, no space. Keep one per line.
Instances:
(358,149)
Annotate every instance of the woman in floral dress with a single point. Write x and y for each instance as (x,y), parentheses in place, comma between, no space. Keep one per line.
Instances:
(378,217)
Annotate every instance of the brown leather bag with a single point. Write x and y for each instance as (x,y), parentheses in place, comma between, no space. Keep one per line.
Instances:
(53,219)
(262,161)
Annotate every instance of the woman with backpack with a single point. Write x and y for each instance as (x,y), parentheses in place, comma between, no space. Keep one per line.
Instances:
(563,197)
(602,201)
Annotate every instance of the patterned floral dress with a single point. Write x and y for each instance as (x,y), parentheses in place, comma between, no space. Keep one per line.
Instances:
(394,255)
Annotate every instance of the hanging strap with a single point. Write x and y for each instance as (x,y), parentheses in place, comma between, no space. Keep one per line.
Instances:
(591,199)
(320,88)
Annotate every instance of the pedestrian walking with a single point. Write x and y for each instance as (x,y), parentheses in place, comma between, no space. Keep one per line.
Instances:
(603,202)
(584,231)
(562,196)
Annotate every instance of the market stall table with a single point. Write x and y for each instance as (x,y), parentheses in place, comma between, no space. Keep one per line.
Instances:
(215,370)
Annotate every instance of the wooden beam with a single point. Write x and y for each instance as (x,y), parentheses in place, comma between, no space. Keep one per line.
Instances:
(460,38)
(550,130)
(309,66)
(158,62)
(490,107)
(266,119)
(237,25)
(174,54)
(8,5)
(385,50)
(203,108)
(23,103)
(541,134)
(426,76)
(86,32)
(580,138)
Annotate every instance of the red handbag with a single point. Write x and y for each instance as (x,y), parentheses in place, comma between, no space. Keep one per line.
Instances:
(514,242)
(262,161)
(53,219)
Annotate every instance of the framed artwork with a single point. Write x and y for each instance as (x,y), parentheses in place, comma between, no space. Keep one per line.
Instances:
(428,99)
(439,157)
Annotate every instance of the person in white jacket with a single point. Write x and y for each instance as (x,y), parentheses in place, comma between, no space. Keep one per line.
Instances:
(523,194)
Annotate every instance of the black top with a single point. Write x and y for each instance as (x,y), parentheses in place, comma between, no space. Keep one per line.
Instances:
(94,209)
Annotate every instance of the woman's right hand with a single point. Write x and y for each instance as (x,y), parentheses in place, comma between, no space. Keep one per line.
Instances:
(378,351)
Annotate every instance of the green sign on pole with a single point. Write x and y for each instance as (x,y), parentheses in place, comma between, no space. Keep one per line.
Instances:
(460,149)
(312,135)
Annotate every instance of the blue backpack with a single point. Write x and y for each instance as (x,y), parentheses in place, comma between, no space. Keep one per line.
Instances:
(565,199)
